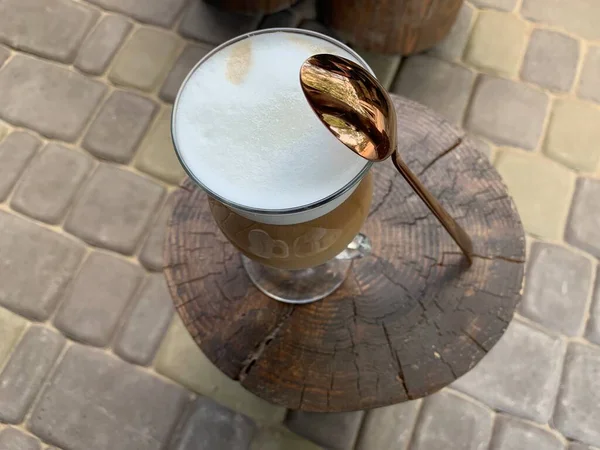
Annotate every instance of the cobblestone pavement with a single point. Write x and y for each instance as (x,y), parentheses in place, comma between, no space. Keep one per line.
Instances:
(91,355)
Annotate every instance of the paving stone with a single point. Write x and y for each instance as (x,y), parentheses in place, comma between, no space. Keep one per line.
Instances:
(152,251)
(541,189)
(578,405)
(507,112)
(185,63)
(120,126)
(142,333)
(551,60)
(307,9)
(280,439)
(520,375)
(102,43)
(577,16)
(513,434)
(573,133)
(212,426)
(580,446)
(49,28)
(443,86)
(145,58)
(50,183)
(30,252)
(593,326)
(49,99)
(95,401)
(557,288)
(156,155)
(11,328)
(26,370)
(589,82)
(452,423)
(13,439)
(314,25)
(213,25)
(282,19)
(3,131)
(97,298)
(335,431)
(503,5)
(384,66)
(453,45)
(486,51)
(583,228)
(4,54)
(156,12)
(114,209)
(388,428)
(15,152)
(180,359)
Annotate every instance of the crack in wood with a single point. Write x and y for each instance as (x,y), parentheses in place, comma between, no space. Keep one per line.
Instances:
(262,346)
(441,155)
(394,355)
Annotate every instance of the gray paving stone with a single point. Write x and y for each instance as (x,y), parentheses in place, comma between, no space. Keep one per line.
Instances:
(49,28)
(13,439)
(4,54)
(97,298)
(520,375)
(26,370)
(388,428)
(503,5)
(578,406)
(280,438)
(102,43)
(120,126)
(212,426)
(514,434)
(212,25)
(577,16)
(589,82)
(593,325)
(551,60)
(307,9)
(282,19)
(95,401)
(152,251)
(580,446)
(50,183)
(114,209)
(507,112)
(443,86)
(336,431)
(185,63)
(582,227)
(156,12)
(557,285)
(26,249)
(52,100)
(15,152)
(453,45)
(148,322)
(11,329)
(133,67)
(451,423)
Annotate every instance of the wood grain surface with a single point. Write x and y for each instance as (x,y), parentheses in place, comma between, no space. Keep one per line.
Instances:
(392,26)
(410,319)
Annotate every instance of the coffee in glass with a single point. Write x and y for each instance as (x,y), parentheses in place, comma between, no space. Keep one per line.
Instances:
(282,188)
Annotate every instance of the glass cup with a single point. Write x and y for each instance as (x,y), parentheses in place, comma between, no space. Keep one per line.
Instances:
(303,254)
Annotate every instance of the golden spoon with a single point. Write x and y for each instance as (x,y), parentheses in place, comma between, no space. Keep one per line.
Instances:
(356,108)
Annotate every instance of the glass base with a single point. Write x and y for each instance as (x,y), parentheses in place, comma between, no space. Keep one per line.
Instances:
(298,286)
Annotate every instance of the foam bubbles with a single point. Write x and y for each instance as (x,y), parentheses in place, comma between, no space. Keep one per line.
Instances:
(246,131)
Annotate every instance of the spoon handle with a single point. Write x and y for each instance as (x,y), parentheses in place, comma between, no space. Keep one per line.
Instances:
(453,228)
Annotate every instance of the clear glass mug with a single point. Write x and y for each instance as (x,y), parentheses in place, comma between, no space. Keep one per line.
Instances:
(303,254)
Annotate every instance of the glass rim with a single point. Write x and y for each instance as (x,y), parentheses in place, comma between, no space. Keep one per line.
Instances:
(238,206)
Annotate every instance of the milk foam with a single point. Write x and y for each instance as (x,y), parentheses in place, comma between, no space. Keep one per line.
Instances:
(243,127)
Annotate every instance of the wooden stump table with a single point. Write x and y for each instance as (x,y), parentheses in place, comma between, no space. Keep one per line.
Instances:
(409,320)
